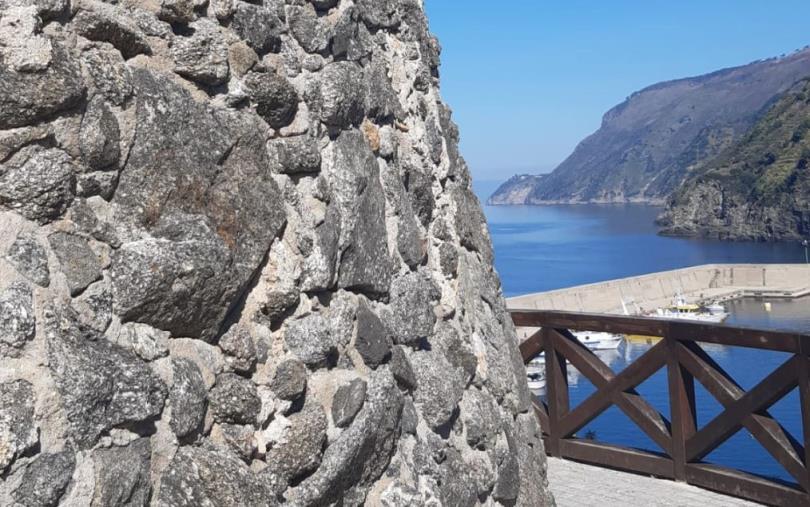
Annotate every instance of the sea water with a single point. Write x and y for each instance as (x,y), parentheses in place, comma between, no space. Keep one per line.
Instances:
(540,248)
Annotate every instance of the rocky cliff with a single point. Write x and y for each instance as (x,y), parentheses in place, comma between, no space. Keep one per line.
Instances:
(759,188)
(241,264)
(647,144)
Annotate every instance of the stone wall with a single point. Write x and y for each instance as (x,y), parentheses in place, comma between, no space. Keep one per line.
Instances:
(241,264)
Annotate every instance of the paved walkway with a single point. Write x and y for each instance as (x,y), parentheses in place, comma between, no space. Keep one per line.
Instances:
(578,485)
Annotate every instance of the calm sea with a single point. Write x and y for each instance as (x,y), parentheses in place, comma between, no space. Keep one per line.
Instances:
(550,247)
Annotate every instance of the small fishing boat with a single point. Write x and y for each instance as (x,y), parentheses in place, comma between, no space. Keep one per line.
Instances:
(681,310)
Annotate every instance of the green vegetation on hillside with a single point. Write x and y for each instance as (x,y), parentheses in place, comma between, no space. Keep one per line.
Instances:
(768,161)
(759,187)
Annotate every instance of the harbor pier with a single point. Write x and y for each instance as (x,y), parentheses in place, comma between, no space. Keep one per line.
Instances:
(699,284)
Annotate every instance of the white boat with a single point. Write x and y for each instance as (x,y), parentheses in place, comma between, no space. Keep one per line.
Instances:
(536,372)
(716,309)
(537,384)
(599,340)
(536,376)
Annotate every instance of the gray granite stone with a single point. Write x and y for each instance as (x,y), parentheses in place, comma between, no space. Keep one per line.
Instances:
(372,341)
(18,429)
(234,400)
(347,402)
(45,480)
(38,183)
(290,379)
(187,397)
(29,258)
(17,320)
(77,260)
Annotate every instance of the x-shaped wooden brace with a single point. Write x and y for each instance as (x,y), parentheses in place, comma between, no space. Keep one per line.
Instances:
(612,388)
(744,409)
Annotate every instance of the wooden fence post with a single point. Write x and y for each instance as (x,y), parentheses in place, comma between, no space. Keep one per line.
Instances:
(804,397)
(556,390)
(681,406)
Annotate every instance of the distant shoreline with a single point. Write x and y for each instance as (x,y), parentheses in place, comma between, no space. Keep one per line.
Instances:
(648,202)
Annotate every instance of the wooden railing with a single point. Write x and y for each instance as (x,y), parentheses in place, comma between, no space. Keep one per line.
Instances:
(683,444)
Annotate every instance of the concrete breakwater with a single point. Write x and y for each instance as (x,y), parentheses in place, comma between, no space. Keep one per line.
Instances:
(697,284)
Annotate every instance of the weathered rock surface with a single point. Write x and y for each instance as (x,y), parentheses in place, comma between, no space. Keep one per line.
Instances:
(234,400)
(310,339)
(372,342)
(412,299)
(438,388)
(99,136)
(17,321)
(241,439)
(77,260)
(108,75)
(98,21)
(46,479)
(290,379)
(94,309)
(359,457)
(402,369)
(297,155)
(347,402)
(359,199)
(259,26)
(102,385)
(28,97)
(241,264)
(122,474)
(211,475)
(187,397)
(239,348)
(341,94)
(18,431)
(298,449)
(37,183)
(145,341)
(210,229)
(308,29)
(275,98)
(202,57)
(29,257)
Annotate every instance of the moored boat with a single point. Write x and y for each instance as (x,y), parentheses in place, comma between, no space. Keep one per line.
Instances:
(599,340)
(715,313)
(536,380)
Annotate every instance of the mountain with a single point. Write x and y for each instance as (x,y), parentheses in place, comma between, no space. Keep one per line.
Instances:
(758,189)
(646,144)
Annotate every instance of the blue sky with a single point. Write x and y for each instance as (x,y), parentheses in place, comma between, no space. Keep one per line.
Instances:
(528,79)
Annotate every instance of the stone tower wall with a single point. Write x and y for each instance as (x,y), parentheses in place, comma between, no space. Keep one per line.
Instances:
(241,264)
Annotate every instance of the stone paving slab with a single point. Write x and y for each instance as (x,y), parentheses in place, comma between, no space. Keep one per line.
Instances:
(578,485)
